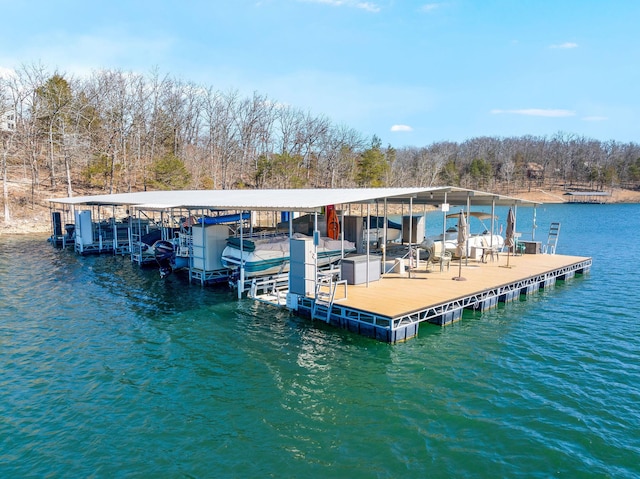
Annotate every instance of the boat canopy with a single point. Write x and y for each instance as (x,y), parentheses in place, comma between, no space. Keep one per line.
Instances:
(308,200)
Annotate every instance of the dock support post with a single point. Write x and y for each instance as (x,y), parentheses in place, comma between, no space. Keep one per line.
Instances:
(241,275)
(384,246)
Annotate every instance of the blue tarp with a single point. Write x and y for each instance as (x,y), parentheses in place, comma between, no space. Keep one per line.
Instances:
(232,218)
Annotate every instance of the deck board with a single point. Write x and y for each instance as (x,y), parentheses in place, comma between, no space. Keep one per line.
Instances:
(395,295)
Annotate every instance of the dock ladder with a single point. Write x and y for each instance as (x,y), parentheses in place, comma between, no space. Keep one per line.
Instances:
(552,239)
(326,287)
(272,289)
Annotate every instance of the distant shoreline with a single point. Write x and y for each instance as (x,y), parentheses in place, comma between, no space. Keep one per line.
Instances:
(558,196)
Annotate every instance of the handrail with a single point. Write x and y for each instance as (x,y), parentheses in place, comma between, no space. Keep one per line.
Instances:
(326,279)
(335,287)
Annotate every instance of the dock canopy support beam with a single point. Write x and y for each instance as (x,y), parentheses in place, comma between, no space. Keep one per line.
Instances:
(241,272)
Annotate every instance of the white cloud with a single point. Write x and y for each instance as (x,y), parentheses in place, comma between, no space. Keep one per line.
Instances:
(566,45)
(346,99)
(537,112)
(595,118)
(401,128)
(335,3)
(430,7)
(368,6)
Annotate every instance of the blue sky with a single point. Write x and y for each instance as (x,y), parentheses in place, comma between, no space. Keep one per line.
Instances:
(410,72)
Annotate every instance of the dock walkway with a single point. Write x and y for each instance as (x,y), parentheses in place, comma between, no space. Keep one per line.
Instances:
(392,308)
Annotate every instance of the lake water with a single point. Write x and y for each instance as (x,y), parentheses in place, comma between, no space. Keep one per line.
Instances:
(109,371)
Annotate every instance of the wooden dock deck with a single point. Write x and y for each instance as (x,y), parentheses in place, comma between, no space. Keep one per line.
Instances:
(396,295)
(391,308)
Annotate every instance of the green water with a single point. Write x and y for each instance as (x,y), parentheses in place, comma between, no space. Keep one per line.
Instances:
(108,371)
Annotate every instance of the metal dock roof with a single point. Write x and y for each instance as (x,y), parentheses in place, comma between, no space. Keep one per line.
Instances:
(293,199)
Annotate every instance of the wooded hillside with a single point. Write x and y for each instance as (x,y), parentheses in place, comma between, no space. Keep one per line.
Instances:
(118,131)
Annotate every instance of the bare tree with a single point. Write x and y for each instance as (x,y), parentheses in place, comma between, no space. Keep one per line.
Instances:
(114,129)
(54,99)
(225,136)
(10,98)
(30,78)
(335,159)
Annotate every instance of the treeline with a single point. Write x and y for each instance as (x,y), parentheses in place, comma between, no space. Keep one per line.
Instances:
(119,131)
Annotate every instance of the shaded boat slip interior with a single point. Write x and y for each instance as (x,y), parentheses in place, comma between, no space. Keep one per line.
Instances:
(271,255)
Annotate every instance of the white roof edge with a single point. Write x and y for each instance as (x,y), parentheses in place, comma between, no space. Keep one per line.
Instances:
(273,199)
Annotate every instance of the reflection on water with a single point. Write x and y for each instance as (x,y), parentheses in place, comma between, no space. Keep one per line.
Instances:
(109,371)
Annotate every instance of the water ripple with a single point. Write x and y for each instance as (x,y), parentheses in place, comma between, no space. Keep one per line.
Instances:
(110,372)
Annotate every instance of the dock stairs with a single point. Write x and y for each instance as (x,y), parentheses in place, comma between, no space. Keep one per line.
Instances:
(271,289)
(327,284)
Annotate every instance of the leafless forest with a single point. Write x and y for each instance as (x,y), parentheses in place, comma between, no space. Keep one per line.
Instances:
(118,131)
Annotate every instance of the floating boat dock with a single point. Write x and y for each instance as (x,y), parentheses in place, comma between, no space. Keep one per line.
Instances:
(398,293)
(392,308)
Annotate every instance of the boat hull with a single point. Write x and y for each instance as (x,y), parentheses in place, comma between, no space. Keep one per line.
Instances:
(377,234)
(269,257)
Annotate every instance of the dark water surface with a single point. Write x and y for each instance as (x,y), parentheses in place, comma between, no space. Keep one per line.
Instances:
(108,371)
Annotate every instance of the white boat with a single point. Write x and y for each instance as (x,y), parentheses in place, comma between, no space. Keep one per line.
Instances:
(262,257)
(305,224)
(375,232)
(483,240)
(479,241)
